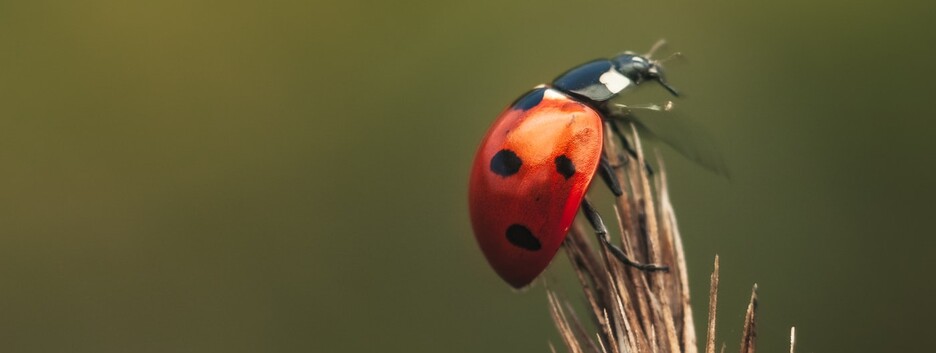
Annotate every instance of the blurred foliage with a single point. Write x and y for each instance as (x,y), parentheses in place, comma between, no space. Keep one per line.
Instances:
(285,176)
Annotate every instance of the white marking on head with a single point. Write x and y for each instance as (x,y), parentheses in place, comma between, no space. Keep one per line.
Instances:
(553,94)
(614,81)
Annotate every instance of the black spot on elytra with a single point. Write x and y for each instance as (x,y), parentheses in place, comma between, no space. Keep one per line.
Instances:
(522,237)
(505,163)
(530,100)
(565,166)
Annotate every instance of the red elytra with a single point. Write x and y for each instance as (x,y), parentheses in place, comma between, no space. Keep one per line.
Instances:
(528,180)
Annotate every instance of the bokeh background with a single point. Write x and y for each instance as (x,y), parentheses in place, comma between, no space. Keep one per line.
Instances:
(290,176)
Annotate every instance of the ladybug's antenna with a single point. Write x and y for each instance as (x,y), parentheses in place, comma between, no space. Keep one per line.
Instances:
(672,56)
(656,46)
(660,62)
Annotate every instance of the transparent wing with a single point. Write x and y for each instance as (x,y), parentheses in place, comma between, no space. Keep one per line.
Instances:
(686,136)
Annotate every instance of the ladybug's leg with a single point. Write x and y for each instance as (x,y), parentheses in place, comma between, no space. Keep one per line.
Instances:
(626,144)
(607,174)
(602,232)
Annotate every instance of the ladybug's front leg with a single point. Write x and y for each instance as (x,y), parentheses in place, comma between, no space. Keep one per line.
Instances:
(602,232)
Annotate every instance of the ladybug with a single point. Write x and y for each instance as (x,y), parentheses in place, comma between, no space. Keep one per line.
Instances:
(537,160)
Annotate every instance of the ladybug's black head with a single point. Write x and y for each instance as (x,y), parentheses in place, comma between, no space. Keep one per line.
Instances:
(640,69)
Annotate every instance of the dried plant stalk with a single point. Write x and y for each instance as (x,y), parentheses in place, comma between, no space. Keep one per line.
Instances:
(713,311)
(637,311)
(749,335)
(792,339)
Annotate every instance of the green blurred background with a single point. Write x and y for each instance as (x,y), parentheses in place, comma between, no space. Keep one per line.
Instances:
(287,176)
